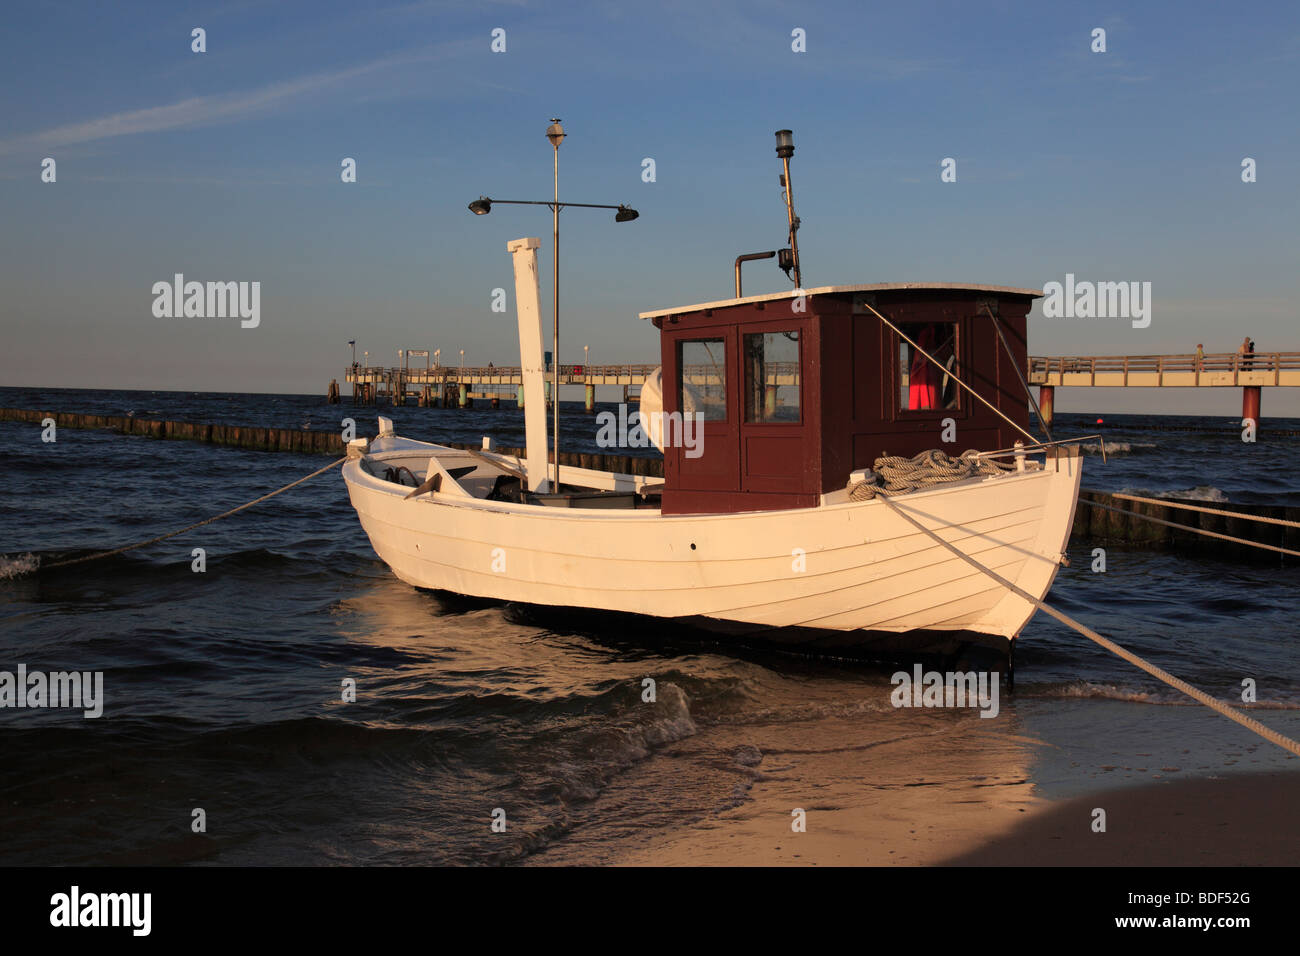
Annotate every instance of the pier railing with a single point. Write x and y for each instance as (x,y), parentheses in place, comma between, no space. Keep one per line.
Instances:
(570,374)
(1210,369)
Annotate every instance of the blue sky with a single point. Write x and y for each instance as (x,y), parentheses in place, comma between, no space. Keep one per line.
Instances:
(1123,165)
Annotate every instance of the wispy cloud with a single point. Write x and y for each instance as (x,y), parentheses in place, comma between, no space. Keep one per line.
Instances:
(210,110)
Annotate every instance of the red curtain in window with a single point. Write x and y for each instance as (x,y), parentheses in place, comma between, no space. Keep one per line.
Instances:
(922,377)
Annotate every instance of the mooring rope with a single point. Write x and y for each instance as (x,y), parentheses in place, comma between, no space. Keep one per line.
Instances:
(1268,733)
(934,467)
(1187,527)
(172,534)
(1209,511)
(894,475)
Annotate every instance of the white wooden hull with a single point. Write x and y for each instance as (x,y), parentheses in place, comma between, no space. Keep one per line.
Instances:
(846,567)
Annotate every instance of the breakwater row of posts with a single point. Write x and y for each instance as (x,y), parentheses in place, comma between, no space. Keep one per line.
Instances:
(235,436)
(1096,524)
(1101,525)
(304,441)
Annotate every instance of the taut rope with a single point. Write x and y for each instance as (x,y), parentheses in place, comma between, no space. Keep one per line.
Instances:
(1209,511)
(1200,531)
(172,534)
(1268,733)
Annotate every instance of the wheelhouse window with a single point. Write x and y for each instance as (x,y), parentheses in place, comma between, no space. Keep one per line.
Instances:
(772,379)
(923,386)
(702,371)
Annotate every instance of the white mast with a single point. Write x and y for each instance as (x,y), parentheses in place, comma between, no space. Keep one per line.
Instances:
(531,358)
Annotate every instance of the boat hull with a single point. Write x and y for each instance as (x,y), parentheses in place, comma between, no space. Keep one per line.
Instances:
(835,573)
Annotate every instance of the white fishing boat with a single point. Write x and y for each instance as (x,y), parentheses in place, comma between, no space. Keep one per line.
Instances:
(793,510)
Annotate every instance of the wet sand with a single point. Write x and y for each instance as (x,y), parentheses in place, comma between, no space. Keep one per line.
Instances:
(945,792)
(1247,820)
(898,790)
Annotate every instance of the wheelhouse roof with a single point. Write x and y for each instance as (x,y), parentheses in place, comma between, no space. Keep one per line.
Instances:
(831,289)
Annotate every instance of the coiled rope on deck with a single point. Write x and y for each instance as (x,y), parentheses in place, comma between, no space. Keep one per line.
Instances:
(1268,733)
(895,475)
(172,534)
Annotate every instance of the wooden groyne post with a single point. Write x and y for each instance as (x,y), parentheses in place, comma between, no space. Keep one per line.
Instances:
(285,439)
(1102,525)
(235,436)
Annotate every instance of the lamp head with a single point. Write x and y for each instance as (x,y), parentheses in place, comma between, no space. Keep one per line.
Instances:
(555,132)
(481,206)
(784,143)
(625,214)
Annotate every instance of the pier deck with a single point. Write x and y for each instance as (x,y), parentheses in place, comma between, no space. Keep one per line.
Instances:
(454,386)
(1251,372)
(1224,369)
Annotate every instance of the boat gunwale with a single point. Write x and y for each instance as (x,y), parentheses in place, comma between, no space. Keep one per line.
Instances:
(353,473)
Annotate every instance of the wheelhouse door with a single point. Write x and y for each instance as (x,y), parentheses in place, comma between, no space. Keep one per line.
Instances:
(701,433)
(777,455)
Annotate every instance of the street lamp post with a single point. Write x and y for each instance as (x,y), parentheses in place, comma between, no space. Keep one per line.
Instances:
(483,205)
(353,343)
(555,133)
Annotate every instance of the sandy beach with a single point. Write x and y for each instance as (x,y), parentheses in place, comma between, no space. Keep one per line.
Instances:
(963,796)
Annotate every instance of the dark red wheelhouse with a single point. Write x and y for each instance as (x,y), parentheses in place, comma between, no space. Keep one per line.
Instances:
(795,393)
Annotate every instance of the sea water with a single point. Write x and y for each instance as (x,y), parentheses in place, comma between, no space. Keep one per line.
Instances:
(223,689)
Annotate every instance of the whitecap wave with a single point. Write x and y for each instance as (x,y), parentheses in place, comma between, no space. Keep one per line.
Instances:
(591,759)
(1116,447)
(672,721)
(1165,696)
(1199,493)
(1089,690)
(17,565)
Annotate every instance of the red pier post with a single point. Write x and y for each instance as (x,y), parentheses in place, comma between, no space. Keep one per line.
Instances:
(1250,403)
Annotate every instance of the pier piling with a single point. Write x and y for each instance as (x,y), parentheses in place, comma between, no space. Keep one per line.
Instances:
(1250,400)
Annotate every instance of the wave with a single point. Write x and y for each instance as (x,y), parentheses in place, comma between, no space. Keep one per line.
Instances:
(18,565)
(1163,696)
(1086,690)
(580,766)
(1117,447)
(1199,493)
(308,553)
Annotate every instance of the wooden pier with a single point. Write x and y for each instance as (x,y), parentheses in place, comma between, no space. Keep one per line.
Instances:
(448,386)
(1251,373)
(456,387)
